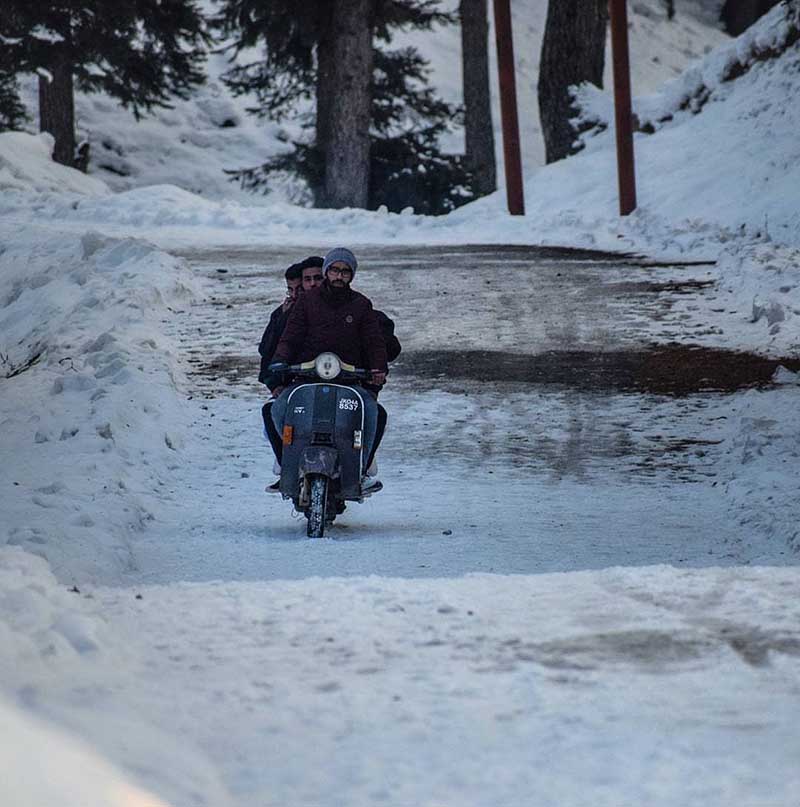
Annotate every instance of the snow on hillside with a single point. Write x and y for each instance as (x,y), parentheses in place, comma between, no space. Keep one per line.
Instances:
(687,190)
(659,50)
(193,144)
(25,165)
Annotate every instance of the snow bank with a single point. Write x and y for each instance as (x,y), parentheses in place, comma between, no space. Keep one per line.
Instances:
(43,627)
(47,632)
(92,429)
(59,658)
(762,281)
(760,464)
(44,766)
(25,165)
(89,408)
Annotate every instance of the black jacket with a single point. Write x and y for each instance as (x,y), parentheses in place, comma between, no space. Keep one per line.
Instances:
(387,329)
(274,330)
(269,341)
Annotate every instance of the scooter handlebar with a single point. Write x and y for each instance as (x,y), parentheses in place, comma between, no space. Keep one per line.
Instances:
(310,372)
(311,369)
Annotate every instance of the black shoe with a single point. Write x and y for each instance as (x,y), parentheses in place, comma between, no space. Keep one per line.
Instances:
(275,487)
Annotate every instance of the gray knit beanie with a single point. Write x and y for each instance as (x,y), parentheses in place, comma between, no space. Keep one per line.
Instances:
(339,254)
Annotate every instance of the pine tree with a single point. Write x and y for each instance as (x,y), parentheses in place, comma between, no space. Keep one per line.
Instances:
(141,52)
(407,168)
(12,111)
(298,64)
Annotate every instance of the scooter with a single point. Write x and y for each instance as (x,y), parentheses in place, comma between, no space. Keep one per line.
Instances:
(324,442)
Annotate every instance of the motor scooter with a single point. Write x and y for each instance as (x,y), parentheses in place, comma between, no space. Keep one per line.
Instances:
(324,441)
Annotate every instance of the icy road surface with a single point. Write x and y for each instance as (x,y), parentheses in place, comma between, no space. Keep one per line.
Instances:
(507,477)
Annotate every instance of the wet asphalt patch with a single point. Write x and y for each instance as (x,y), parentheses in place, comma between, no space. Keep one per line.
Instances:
(573,388)
(661,370)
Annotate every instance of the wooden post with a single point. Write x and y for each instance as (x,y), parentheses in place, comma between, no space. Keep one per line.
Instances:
(626,175)
(508,107)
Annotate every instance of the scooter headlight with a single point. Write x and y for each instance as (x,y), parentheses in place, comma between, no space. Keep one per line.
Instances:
(327,366)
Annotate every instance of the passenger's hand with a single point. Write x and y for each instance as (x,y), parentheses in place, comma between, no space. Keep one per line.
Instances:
(378,378)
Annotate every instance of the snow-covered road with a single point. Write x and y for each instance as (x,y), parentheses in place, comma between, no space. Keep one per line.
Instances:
(480,477)
(618,688)
(429,654)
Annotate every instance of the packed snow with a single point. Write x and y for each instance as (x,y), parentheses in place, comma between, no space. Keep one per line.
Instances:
(168,634)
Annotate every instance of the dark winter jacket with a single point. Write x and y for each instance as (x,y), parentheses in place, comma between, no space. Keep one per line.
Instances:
(269,341)
(344,323)
(387,329)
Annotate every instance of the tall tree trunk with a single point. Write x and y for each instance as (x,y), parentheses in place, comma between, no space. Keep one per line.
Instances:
(57,110)
(738,15)
(349,111)
(478,130)
(326,94)
(573,51)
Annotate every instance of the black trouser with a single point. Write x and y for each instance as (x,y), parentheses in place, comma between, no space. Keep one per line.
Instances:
(379,430)
(272,433)
(277,443)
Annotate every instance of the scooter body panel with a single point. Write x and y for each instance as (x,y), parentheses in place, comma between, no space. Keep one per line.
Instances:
(327,436)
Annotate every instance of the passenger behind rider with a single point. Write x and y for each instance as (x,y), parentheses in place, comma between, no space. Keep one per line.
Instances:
(336,318)
(304,275)
(312,272)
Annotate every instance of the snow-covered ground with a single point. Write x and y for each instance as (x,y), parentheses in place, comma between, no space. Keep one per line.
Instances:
(598,602)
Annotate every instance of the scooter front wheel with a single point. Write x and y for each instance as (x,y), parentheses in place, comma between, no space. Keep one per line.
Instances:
(318,495)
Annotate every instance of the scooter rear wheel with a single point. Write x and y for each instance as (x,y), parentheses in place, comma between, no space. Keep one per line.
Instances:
(318,496)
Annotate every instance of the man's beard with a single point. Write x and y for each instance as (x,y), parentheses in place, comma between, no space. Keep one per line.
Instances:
(338,288)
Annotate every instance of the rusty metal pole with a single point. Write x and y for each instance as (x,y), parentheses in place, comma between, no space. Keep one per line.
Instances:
(626,175)
(508,107)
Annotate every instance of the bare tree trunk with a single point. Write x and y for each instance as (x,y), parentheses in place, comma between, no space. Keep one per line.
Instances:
(347,133)
(478,130)
(573,51)
(326,57)
(738,15)
(57,110)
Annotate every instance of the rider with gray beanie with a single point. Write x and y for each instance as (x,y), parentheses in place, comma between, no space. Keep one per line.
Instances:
(335,318)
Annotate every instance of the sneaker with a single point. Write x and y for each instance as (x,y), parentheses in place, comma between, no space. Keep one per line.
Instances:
(370,485)
(275,487)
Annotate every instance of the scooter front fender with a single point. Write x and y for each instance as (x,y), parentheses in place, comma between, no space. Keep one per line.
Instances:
(320,460)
